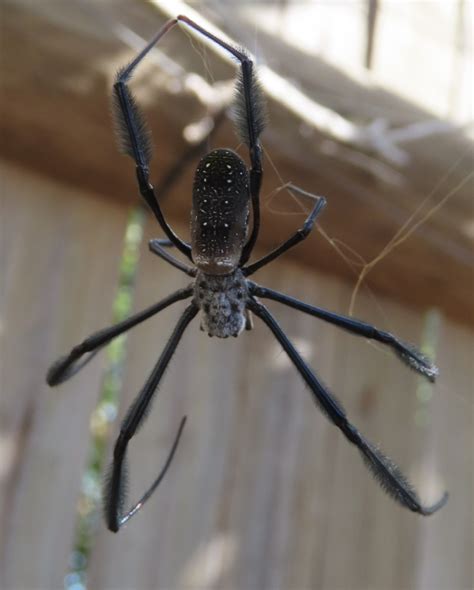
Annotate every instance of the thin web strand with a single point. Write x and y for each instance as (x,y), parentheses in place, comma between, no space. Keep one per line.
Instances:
(395,242)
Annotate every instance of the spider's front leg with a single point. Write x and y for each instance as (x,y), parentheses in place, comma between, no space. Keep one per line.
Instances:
(384,469)
(115,486)
(134,136)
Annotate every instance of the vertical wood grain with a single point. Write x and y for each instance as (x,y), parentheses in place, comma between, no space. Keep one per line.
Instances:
(445,549)
(59,269)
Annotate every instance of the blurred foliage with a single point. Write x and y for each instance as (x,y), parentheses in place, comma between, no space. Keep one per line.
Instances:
(429,345)
(89,504)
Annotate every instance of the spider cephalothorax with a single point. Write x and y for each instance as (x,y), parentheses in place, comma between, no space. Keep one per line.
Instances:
(222,300)
(223,192)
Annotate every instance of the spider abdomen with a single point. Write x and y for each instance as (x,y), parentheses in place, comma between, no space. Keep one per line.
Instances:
(222,301)
(220,214)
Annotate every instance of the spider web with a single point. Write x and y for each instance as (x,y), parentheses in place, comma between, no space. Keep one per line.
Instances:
(355,261)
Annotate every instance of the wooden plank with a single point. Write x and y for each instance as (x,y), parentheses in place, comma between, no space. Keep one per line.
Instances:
(59,260)
(264,492)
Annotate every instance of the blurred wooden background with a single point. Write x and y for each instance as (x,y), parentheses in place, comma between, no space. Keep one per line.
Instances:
(264,493)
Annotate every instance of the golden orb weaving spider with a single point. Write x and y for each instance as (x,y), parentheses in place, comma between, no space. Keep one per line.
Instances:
(224,191)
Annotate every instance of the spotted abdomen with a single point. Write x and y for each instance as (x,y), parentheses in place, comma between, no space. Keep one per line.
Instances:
(220,211)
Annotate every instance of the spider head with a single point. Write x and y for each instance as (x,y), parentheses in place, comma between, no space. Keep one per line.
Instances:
(220,213)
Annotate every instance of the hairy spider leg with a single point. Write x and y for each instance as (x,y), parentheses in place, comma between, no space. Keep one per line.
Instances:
(407,353)
(250,121)
(300,234)
(138,505)
(67,366)
(134,136)
(384,469)
(115,485)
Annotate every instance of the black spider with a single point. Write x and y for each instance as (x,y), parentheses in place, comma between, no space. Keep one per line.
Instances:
(223,191)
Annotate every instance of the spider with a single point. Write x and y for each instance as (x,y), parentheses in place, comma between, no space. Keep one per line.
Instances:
(224,191)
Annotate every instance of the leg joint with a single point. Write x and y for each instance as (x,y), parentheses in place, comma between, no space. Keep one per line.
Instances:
(351,432)
(143,182)
(304,231)
(121,444)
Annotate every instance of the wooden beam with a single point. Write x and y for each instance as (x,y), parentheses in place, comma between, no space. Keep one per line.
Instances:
(57,73)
